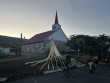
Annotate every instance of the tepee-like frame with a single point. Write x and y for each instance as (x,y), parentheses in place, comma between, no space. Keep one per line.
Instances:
(54,58)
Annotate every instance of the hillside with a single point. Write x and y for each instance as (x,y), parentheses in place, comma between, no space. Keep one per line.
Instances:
(10,40)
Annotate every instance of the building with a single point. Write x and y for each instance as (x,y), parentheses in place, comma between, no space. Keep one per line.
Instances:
(41,42)
(4,49)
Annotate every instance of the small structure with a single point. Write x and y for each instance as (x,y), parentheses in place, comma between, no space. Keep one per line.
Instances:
(5,49)
(3,79)
(54,58)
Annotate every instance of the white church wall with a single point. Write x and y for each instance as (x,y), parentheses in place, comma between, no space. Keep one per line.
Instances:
(58,35)
(34,47)
(61,46)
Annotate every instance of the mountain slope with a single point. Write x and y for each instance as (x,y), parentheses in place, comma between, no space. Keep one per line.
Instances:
(10,40)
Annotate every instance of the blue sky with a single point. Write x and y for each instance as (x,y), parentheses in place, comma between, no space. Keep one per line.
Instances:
(30,17)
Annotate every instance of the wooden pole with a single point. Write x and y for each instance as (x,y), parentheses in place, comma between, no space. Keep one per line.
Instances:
(20,45)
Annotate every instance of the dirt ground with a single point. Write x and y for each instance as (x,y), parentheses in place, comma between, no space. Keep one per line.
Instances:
(12,66)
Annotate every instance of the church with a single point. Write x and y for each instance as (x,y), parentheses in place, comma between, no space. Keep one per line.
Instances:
(40,43)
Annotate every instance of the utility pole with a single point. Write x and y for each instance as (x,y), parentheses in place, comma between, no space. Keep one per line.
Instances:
(20,45)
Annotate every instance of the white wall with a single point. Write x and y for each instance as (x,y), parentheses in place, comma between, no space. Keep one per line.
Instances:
(58,35)
(5,50)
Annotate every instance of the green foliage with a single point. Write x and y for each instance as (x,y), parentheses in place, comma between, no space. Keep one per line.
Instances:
(90,45)
(2,44)
(82,59)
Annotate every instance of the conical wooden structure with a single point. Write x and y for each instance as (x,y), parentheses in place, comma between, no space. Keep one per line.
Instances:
(54,58)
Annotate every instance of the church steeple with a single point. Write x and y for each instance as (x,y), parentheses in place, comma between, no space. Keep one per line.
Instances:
(56,25)
(56,18)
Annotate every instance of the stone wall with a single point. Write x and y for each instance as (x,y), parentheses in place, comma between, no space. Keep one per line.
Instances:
(42,47)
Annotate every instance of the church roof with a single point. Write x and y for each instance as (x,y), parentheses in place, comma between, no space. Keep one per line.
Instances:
(39,37)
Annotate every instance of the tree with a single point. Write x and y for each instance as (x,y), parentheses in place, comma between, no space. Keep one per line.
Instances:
(86,44)
(104,43)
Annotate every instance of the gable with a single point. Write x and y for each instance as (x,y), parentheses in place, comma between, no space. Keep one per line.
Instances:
(58,35)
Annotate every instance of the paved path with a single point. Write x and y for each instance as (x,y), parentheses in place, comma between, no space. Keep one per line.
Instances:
(82,75)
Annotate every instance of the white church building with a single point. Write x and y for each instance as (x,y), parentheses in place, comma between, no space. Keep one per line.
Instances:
(41,42)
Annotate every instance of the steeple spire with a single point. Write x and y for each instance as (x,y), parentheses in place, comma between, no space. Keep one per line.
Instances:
(56,18)
(56,25)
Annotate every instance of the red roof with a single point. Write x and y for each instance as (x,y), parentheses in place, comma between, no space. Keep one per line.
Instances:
(39,37)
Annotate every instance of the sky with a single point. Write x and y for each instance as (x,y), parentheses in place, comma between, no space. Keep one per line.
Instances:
(30,17)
